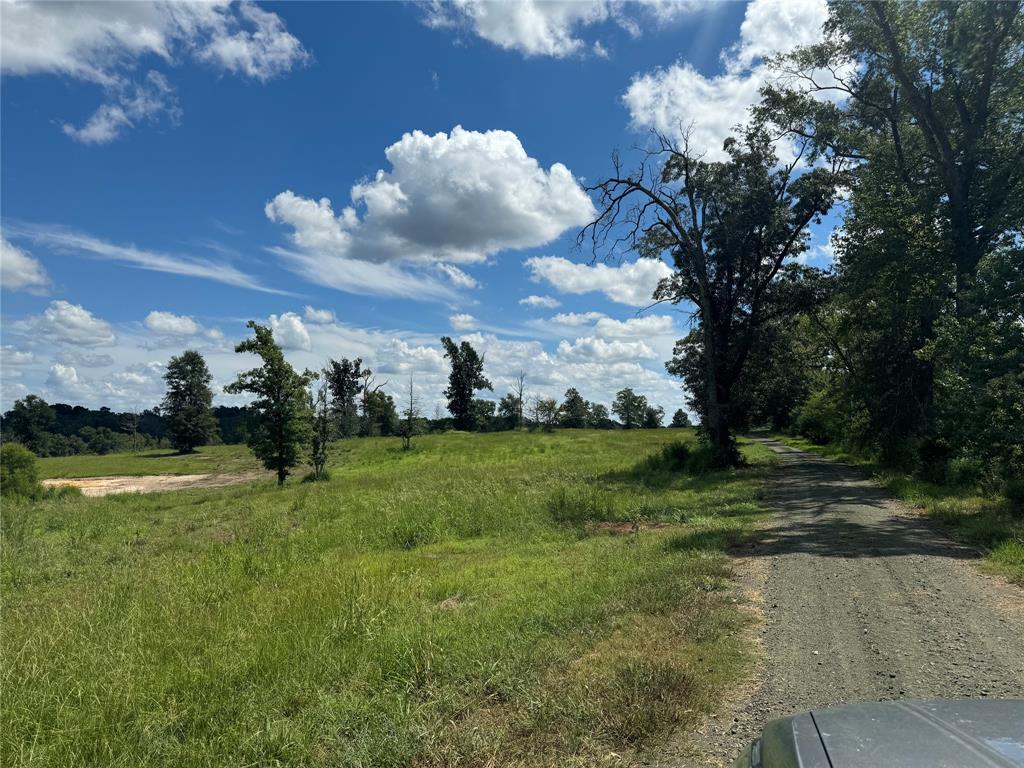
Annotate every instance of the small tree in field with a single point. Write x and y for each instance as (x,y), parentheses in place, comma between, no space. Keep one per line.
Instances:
(519,389)
(547,413)
(187,405)
(653,414)
(411,418)
(630,408)
(466,377)
(574,410)
(320,432)
(345,380)
(280,411)
(680,418)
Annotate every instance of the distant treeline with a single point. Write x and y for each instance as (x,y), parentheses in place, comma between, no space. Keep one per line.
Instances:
(60,429)
(67,430)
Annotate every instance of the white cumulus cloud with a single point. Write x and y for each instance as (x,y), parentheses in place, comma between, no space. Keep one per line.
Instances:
(681,98)
(543,302)
(20,271)
(632,283)
(550,27)
(105,42)
(463,322)
(319,316)
(593,349)
(448,198)
(73,324)
(290,332)
(170,324)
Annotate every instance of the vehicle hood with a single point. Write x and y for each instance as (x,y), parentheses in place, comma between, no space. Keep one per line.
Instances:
(937,734)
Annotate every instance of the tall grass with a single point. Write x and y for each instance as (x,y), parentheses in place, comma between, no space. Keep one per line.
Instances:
(459,604)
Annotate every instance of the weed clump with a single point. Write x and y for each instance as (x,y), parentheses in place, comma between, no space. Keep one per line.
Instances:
(580,505)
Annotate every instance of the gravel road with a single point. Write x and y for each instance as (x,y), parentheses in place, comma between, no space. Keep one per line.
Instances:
(861,599)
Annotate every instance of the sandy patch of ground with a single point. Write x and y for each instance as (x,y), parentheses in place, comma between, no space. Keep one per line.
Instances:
(102,486)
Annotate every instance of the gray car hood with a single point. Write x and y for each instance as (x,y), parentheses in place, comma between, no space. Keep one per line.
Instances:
(932,734)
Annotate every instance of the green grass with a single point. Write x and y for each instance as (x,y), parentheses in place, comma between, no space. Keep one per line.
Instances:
(218,459)
(477,601)
(989,522)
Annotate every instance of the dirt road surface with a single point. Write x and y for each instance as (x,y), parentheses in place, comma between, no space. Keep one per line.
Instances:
(861,599)
(102,486)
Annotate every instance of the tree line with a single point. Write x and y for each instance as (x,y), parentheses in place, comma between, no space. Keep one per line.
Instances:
(910,348)
(294,416)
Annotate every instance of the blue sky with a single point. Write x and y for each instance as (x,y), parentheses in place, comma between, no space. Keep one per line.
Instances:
(365,177)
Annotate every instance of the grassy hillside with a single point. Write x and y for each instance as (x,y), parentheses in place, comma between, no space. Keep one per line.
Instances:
(160,461)
(479,600)
(992,523)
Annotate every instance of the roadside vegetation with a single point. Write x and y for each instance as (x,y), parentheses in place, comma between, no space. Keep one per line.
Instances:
(515,598)
(989,520)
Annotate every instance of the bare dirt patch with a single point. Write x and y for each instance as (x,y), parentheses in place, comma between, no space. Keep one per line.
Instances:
(103,486)
(621,528)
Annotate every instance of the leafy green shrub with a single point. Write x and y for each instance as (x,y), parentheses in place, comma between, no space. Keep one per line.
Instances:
(966,471)
(673,457)
(19,475)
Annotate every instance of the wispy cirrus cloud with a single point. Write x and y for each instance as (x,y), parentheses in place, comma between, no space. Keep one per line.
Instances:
(71,241)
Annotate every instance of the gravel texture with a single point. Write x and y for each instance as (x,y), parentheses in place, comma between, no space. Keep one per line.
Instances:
(860,599)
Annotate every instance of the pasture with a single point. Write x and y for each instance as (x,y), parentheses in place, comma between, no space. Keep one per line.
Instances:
(484,599)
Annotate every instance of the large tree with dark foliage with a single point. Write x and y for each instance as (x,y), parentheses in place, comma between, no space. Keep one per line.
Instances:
(630,408)
(729,227)
(187,406)
(30,421)
(574,410)
(281,418)
(345,380)
(927,98)
(466,377)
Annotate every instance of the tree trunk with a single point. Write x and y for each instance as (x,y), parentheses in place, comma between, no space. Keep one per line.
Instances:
(719,428)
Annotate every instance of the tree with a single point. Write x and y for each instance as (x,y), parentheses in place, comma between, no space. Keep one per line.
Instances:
(377,409)
(320,430)
(729,227)
(653,415)
(281,422)
(519,388)
(467,376)
(630,408)
(483,414)
(574,410)
(599,418)
(680,419)
(379,418)
(510,409)
(547,413)
(30,421)
(927,98)
(345,380)
(933,92)
(130,425)
(412,418)
(187,406)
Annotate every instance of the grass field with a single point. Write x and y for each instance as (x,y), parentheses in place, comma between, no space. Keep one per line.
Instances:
(990,523)
(219,459)
(480,600)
